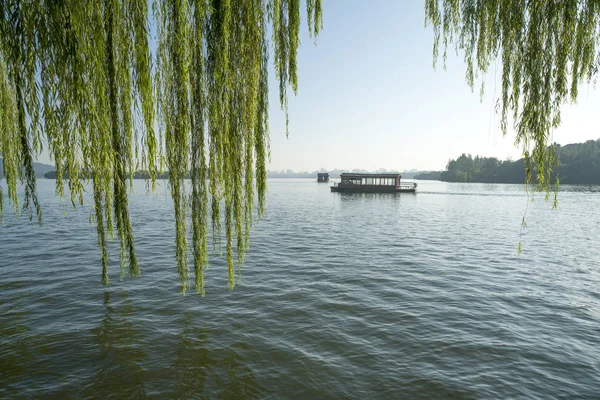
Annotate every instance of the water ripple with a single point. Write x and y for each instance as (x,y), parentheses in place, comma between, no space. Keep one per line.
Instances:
(343,296)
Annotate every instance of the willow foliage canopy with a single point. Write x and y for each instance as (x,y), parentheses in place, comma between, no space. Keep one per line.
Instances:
(79,77)
(546,49)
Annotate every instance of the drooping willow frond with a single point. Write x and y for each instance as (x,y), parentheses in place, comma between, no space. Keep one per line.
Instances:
(547,48)
(78,77)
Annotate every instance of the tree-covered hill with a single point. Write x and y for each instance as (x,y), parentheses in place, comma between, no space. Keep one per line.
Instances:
(579,163)
(39,168)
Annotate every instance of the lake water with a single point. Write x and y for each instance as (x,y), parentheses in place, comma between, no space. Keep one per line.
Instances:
(343,296)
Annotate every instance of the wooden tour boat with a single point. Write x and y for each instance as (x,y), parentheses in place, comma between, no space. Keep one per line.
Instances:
(322,177)
(373,183)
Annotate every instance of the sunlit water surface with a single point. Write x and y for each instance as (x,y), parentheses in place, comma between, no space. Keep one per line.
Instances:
(343,296)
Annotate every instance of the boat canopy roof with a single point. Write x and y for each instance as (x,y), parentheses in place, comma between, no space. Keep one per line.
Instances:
(322,174)
(350,175)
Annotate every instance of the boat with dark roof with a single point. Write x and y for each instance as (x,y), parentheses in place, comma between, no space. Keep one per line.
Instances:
(373,183)
(322,177)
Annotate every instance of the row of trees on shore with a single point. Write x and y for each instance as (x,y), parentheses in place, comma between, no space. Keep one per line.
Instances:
(579,163)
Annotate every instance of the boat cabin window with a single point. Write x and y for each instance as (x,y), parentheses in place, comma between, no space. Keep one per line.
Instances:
(370,181)
(350,181)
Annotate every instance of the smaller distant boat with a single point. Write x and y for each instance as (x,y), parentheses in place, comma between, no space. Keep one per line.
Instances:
(322,177)
(373,183)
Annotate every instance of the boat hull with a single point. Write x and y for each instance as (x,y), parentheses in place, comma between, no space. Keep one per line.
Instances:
(373,189)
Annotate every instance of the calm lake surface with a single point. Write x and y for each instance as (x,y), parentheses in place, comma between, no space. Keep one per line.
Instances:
(343,296)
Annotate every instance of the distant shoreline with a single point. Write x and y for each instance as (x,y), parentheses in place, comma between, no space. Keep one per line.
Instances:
(579,164)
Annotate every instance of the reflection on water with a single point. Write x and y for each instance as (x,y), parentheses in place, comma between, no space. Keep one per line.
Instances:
(240,382)
(15,355)
(119,357)
(193,364)
(113,359)
(579,188)
(200,373)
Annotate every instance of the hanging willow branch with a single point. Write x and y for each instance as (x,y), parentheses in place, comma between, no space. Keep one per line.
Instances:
(547,48)
(76,76)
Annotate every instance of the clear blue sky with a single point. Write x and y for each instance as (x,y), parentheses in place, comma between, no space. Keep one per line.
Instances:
(369,98)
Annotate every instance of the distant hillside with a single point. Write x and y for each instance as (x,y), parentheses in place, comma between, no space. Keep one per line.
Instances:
(40,169)
(141,174)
